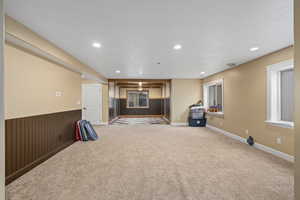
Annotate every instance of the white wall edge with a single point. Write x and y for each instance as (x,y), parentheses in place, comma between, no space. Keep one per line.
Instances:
(101,124)
(256,145)
(2,126)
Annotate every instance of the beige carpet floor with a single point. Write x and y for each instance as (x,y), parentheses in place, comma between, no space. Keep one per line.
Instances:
(157,162)
(141,120)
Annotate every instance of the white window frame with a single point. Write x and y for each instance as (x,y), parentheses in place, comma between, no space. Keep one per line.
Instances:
(273,93)
(137,91)
(206,91)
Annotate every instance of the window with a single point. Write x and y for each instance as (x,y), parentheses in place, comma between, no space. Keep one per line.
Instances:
(280,106)
(213,96)
(137,99)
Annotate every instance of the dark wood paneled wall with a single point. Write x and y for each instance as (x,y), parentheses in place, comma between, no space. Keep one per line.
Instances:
(112,113)
(167,108)
(155,108)
(115,110)
(32,140)
(118,107)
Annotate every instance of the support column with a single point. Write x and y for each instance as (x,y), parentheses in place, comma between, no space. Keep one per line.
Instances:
(2,133)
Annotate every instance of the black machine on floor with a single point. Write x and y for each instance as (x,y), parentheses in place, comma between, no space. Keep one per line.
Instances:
(197,116)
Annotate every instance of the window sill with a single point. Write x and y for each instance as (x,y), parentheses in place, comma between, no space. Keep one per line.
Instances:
(217,114)
(281,124)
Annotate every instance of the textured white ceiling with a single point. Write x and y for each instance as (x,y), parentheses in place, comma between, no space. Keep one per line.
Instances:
(137,34)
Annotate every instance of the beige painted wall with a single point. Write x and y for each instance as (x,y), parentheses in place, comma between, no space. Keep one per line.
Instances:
(166,90)
(297,93)
(105,103)
(31,84)
(58,78)
(111,89)
(20,31)
(117,92)
(245,102)
(154,93)
(184,92)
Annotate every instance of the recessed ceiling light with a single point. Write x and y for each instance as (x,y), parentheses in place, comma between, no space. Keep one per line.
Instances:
(177,47)
(140,89)
(118,71)
(97,45)
(254,48)
(202,73)
(140,83)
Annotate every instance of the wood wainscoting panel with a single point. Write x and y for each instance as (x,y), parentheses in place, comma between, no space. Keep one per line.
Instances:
(167,108)
(155,108)
(32,140)
(115,110)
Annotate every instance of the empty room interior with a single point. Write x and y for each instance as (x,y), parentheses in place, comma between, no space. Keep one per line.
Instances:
(150,100)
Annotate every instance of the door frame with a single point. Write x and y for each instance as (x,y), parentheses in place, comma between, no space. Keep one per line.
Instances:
(100,118)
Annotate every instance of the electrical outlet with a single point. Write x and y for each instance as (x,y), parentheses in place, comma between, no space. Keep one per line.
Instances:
(78,102)
(279,140)
(247,132)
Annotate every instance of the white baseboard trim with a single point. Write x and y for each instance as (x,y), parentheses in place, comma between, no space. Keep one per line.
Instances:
(166,119)
(231,135)
(102,124)
(179,124)
(256,145)
(114,119)
(275,152)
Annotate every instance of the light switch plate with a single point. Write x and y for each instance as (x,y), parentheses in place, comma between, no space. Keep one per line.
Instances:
(58,93)
(247,132)
(279,140)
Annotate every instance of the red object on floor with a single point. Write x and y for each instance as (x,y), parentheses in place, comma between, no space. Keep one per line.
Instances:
(77,132)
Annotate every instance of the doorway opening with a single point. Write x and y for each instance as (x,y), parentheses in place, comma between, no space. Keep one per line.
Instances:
(134,101)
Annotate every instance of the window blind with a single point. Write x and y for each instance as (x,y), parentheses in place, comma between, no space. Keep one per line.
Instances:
(287,95)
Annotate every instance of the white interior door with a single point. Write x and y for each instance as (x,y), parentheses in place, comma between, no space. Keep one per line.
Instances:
(92,103)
